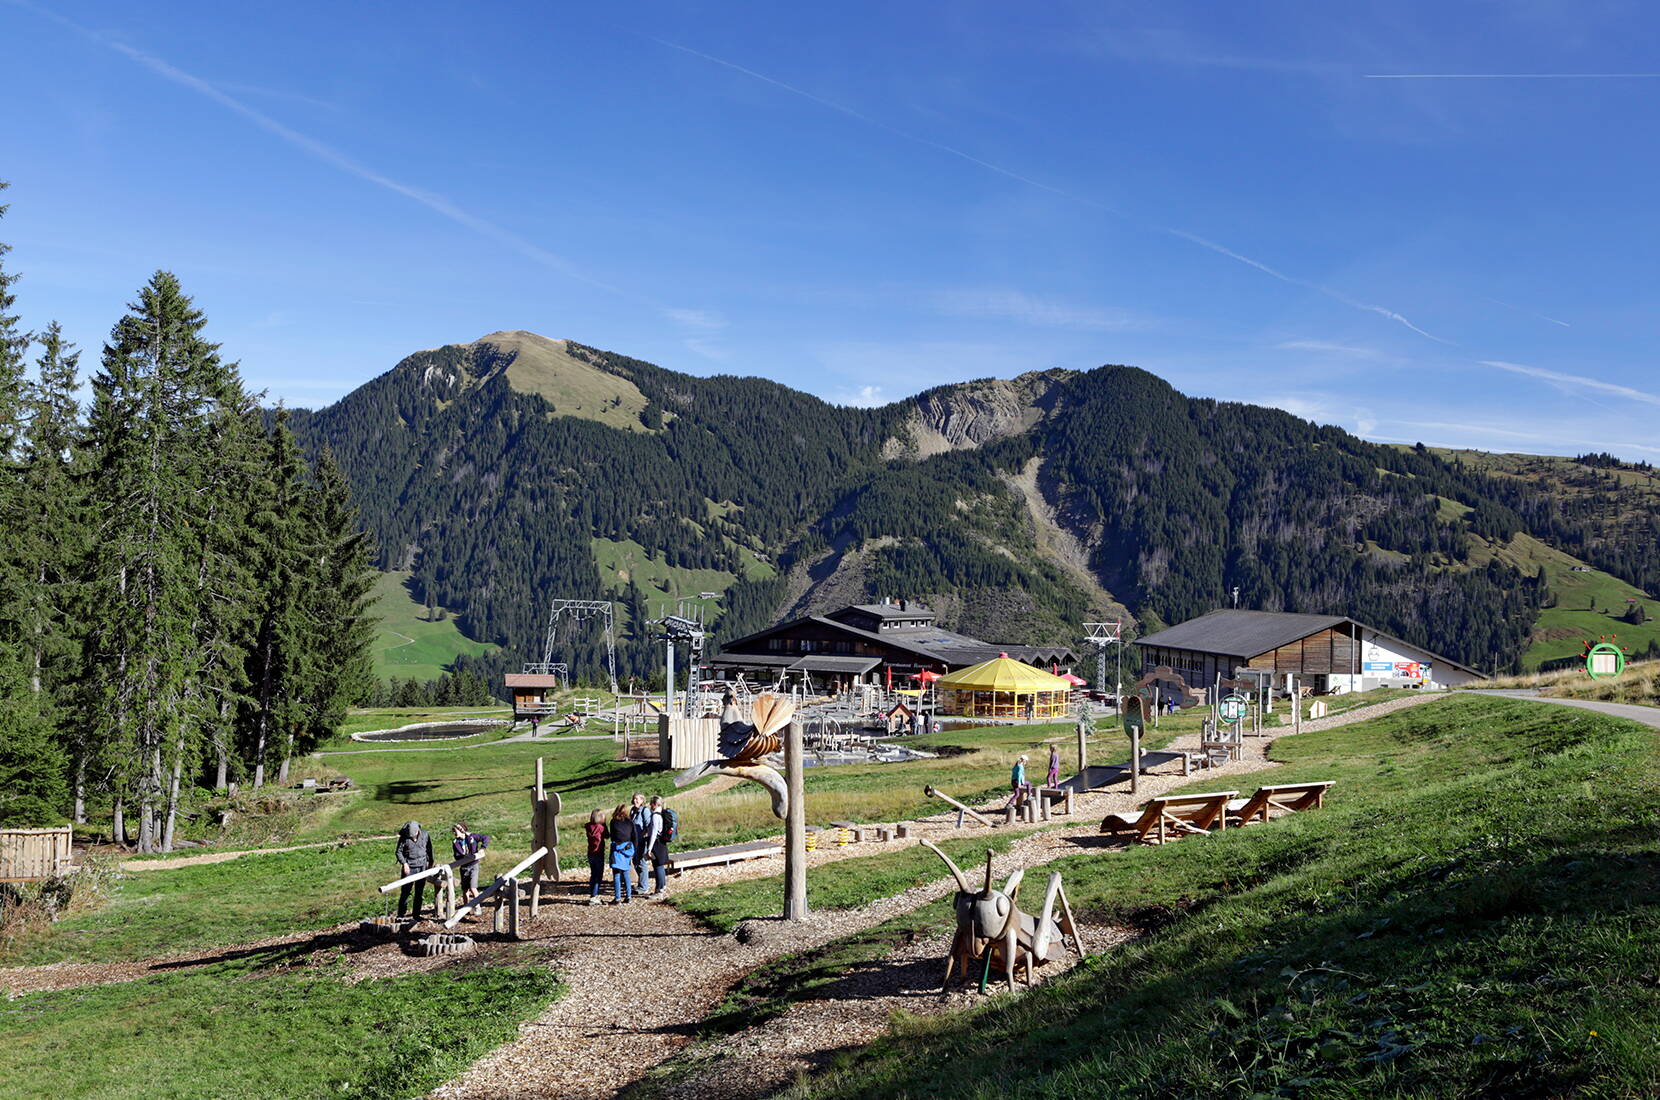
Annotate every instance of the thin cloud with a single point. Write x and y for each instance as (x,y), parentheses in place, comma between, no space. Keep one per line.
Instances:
(865,397)
(1030,182)
(1326,347)
(696,318)
(1529,312)
(315,149)
(1572,382)
(1013,305)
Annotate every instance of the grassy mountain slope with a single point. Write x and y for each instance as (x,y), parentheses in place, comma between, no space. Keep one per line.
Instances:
(1461,920)
(1584,604)
(571,385)
(409,645)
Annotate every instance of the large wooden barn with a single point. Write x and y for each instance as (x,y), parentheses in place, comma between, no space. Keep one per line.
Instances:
(1328,652)
(866,643)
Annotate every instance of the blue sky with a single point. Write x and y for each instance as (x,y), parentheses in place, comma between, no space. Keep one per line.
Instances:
(864,200)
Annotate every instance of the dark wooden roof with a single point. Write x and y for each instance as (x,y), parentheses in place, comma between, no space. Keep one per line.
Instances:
(1241,633)
(1247,634)
(928,644)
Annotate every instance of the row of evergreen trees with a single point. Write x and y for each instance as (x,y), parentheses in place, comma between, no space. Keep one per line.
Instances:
(183,597)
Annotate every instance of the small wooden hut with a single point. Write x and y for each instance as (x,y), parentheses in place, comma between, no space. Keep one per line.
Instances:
(29,855)
(1005,688)
(532,693)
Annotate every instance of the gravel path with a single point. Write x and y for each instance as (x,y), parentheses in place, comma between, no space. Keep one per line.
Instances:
(640,976)
(221,857)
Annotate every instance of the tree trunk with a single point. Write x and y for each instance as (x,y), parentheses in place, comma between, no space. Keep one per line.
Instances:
(118,828)
(221,775)
(172,819)
(80,789)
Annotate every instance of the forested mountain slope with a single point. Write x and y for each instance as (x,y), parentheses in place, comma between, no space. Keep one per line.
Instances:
(514,469)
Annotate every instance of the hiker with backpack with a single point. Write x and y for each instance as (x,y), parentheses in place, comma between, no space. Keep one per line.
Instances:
(665,827)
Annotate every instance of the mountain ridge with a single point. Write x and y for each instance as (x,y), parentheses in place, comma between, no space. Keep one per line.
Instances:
(1020,507)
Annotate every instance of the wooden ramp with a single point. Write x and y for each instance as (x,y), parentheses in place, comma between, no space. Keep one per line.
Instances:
(724,855)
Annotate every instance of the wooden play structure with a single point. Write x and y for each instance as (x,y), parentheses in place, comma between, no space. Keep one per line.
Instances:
(445,886)
(544,833)
(1173,815)
(505,893)
(1286,797)
(993,933)
(31,855)
(962,811)
(1005,688)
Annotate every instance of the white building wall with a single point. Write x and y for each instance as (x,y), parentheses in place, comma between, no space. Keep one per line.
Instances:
(1390,662)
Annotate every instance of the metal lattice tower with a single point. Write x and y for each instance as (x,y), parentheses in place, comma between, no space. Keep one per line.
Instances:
(685,627)
(1101,635)
(576,612)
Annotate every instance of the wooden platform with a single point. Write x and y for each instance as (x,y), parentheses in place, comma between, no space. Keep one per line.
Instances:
(724,855)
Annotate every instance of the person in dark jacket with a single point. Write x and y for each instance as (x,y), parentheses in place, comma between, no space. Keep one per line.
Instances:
(640,814)
(656,845)
(465,845)
(414,854)
(623,842)
(596,854)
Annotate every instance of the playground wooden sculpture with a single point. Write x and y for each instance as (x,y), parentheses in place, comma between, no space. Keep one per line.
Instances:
(745,746)
(544,833)
(992,932)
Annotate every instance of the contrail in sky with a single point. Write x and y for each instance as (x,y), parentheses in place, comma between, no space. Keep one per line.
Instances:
(438,204)
(831,104)
(1510,76)
(1574,381)
(1529,312)
(880,125)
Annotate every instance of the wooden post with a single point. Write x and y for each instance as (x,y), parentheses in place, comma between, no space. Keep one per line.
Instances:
(513,907)
(1135,757)
(1008,814)
(1083,750)
(795,826)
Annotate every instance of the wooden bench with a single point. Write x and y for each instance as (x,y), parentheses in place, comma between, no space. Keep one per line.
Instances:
(1289,797)
(724,855)
(1173,813)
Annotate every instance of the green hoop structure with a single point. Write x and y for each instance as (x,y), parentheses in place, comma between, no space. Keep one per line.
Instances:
(1600,649)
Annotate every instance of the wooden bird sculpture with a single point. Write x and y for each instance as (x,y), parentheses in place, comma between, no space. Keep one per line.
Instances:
(745,746)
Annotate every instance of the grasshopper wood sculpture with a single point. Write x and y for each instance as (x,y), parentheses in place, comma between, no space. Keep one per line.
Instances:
(745,747)
(993,932)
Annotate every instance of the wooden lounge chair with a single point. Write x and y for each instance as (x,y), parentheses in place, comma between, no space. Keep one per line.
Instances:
(1290,797)
(1174,814)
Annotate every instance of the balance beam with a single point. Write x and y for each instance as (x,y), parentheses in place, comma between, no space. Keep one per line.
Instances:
(932,793)
(502,880)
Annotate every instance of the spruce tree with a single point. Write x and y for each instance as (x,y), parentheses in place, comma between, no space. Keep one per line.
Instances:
(157,388)
(32,789)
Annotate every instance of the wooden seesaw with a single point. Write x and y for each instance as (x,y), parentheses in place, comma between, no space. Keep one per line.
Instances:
(445,874)
(505,892)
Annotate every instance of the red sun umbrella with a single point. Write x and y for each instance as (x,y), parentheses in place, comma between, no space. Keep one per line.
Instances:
(927,676)
(1075,681)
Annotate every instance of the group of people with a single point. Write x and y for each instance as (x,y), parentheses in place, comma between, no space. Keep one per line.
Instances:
(638,831)
(415,855)
(1020,788)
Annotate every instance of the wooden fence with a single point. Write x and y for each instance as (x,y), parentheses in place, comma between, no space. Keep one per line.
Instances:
(27,855)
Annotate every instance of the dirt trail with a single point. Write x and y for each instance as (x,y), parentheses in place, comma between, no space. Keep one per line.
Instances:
(222,857)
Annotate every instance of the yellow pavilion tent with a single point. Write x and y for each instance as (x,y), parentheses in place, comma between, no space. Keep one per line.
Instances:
(1005,688)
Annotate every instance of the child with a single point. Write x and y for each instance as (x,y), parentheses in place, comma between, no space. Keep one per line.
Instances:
(596,854)
(1054,765)
(622,855)
(464,846)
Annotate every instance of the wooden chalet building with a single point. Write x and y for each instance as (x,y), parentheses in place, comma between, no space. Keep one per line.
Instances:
(1327,652)
(864,643)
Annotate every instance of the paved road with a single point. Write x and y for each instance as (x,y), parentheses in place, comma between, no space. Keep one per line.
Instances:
(517,739)
(1648,716)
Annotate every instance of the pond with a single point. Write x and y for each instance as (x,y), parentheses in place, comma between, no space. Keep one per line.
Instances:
(431,731)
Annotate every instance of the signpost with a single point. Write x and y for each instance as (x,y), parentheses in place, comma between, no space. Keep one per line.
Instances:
(1234,708)
(1604,660)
